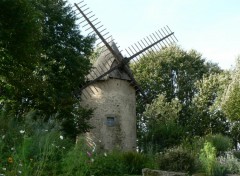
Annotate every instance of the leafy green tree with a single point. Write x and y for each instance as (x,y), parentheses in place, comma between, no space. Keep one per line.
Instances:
(161,128)
(207,116)
(44,60)
(19,33)
(230,102)
(64,64)
(172,72)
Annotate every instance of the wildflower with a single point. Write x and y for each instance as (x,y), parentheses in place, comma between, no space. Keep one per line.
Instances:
(10,159)
(19,172)
(3,136)
(89,154)
(4,168)
(92,160)
(12,148)
(105,154)
(22,131)
(61,137)
(63,147)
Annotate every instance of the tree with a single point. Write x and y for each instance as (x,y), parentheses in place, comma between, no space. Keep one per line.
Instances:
(19,35)
(64,64)
(44,59)
(207,116)
(172,72)
(161,128)
(230,102)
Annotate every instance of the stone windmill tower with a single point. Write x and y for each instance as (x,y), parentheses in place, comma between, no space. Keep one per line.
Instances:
(111,89)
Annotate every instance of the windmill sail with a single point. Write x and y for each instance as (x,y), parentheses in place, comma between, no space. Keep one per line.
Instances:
(112,61)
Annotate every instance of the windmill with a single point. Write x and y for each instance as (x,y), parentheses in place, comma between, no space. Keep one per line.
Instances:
(111,88)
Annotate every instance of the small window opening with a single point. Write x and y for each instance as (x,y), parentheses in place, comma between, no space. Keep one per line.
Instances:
(111,121)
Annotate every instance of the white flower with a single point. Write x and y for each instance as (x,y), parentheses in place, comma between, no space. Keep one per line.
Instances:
(22,131)
(4,168)
(12,148)
(61,137)
(19,172)
(3,136)
(105,154)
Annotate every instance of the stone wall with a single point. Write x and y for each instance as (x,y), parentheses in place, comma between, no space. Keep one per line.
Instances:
(114,118)
(149,172)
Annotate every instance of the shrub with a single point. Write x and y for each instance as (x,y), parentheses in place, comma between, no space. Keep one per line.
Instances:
(108,164)
(220,142)
(230,162)
(177,159)
(33,149)
(237,154)
(134,162)
(78,160)
(209,161)
(120,163)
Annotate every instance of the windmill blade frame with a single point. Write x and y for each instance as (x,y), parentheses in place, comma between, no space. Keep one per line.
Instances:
(148,43)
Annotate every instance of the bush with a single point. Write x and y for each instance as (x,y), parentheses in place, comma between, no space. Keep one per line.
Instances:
(108,164)
(209,161)
(177,159)
(220,142)
(120,163)
(79,160)
(230,162)
(32,148)
(134,162)
(237,154)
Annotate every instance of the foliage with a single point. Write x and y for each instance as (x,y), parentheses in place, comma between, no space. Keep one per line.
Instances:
(220,143)
(44,60)
(84,160)
(231,100)
(209,162)
(177,159)
(231,163)
(64,64)
(172,72)
(77,161)
(31,149)
(236,154)
(207,117)
(134,162)
(108,164)
(19,55)
(162,130)
(162,110)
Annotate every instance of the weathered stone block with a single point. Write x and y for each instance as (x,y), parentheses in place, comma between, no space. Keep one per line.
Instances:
(149,172)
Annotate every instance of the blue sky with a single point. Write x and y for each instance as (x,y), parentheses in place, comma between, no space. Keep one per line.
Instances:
(212,27)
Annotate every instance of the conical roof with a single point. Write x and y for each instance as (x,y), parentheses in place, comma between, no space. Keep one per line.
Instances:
(105,62)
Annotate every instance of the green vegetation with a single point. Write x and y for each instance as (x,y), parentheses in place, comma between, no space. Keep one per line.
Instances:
(191,124)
